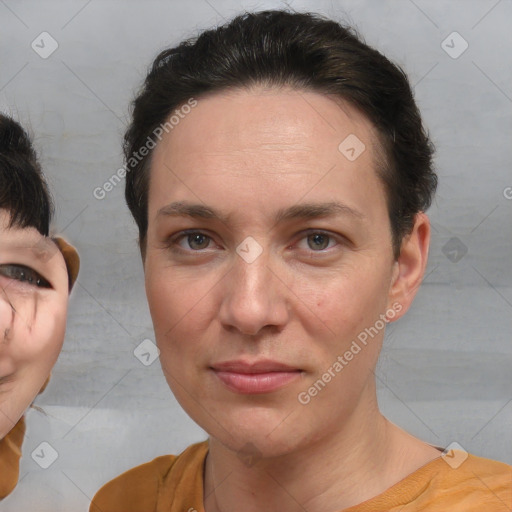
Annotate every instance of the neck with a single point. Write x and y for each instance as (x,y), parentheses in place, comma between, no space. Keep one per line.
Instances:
(322,475)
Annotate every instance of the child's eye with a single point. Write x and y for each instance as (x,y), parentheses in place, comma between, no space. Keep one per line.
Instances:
(24,274)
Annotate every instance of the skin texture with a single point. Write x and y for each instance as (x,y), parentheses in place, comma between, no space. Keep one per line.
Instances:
(301,302)
(32,318)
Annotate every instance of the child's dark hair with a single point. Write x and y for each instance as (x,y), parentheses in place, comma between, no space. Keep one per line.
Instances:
(23,190)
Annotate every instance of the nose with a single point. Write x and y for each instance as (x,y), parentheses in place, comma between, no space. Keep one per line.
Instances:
(253,297)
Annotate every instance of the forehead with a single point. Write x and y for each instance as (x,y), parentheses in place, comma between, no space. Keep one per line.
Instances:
(254,140)
(260,119)
(15,232)
(26,240)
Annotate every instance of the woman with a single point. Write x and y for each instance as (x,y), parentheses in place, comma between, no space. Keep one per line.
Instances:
(36,276)
(282,225)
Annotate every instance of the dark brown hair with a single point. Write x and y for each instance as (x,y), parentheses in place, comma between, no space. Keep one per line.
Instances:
(307,52)
(23,189)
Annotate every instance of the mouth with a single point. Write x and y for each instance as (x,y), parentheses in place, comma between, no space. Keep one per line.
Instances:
(255,378)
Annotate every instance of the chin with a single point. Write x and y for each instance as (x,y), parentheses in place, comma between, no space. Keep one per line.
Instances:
(257,431)
(257,445)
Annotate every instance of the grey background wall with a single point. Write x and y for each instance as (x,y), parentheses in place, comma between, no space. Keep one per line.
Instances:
(444,374)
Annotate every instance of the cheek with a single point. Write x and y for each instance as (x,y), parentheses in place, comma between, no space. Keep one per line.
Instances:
(34,351)
(345,303)
(40,343)
(177,306)
(168,302)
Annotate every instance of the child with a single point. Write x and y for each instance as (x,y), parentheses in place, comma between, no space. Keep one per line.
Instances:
(36,276)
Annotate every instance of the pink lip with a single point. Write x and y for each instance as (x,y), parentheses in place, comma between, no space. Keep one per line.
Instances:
(252,378)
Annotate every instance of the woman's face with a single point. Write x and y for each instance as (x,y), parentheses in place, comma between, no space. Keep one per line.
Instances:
(258,284)
(33,307)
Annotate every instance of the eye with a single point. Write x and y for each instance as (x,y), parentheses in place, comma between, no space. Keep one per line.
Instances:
(24,275)
(318,241)
(194,239)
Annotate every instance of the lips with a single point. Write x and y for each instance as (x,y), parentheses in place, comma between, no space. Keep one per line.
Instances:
(255,377)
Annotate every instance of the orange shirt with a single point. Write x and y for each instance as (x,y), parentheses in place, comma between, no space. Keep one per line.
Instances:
(175,484)
(10,453)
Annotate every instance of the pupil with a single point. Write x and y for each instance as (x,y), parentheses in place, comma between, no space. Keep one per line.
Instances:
(197,239)
(320,241)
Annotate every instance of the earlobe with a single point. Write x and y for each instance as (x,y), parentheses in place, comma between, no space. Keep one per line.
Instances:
(410,266)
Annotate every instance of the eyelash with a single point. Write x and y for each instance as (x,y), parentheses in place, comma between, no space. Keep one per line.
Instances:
(24,274)
(174,240)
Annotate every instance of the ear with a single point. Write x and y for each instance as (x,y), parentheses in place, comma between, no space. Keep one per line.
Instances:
(409,268)
(71,258)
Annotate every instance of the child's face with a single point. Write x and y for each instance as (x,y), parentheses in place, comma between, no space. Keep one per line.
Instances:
(33,307)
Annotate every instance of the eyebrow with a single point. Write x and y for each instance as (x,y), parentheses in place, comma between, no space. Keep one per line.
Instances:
(299,211)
